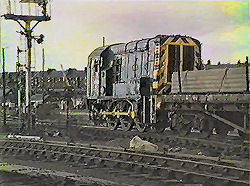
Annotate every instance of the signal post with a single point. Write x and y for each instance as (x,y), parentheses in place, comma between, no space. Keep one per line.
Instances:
(27,30)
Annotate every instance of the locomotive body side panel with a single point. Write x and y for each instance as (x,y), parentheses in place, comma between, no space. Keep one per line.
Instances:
(94,73)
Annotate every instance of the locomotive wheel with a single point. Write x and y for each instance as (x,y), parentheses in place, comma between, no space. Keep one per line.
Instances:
(159,127)
(244,135)
(180,124)
(206,128)
(112,121)
(221,129)
(126,123)
(113,124)
(141,127)
(183,130)
(162,122)
(97,122)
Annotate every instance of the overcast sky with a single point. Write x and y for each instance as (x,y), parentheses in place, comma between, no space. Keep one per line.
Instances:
(77,28)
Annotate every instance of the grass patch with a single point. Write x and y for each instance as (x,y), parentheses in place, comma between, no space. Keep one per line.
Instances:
(5,171)
(3,134)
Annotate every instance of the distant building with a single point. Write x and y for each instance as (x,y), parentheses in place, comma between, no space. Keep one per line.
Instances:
(48,83)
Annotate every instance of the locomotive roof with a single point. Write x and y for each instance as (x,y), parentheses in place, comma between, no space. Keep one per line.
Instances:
(142,44)
(97,52)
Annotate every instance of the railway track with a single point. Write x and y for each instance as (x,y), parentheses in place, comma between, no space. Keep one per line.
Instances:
(229,146)
(158,166)
(102,131)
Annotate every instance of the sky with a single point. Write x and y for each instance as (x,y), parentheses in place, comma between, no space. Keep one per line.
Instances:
(77,28)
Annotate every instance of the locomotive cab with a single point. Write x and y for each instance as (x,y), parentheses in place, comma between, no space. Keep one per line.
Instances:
(177,52)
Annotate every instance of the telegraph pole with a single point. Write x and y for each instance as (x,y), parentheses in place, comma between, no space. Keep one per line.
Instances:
(103,41)
(18,64)
(43,73)
(43,59)
(4,93)
(28,72)
(0,34)
(27,32)
(20,74)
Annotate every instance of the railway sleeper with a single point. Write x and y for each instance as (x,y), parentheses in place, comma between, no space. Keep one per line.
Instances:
(149,159)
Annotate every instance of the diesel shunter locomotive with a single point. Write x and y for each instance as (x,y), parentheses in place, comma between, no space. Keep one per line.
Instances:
(160,82)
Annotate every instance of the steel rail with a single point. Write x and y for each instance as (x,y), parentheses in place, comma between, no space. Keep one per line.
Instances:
(125,151)
(143,165)
(163,156)
(154,158)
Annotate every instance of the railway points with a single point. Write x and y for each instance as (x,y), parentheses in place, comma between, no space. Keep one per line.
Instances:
(105,157)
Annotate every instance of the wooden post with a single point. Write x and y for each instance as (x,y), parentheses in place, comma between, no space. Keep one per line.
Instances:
(43,68)
(103,41)
(246,115)
(247,74)
(43,59)
(28,75)
(4,89)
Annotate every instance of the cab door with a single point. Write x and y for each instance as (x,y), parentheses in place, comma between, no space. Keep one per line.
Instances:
(188,58)
(173,57)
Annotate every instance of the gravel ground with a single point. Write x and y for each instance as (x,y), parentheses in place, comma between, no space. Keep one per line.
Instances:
(37,173)
(106,175)
(101,173)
